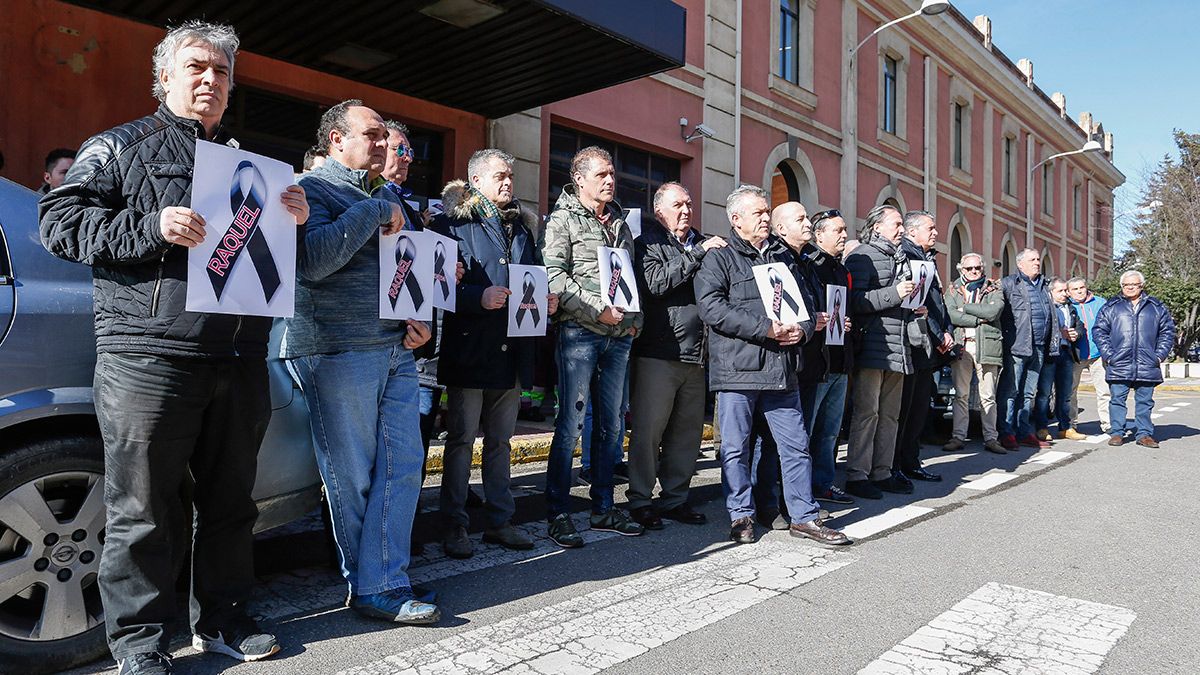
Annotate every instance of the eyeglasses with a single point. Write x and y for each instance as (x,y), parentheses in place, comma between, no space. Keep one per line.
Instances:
(1135,285)
(403,151)
(972,268)
(825,215)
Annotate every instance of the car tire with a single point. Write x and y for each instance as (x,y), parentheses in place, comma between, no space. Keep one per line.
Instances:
(59,478)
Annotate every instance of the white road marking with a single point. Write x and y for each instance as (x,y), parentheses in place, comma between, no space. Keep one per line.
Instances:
(884,521)
(989,481)
(1098,438)
(1048,457)
(307,590)
(1183,404)
(1155,416)
(597,630)
(1169,408)
(1006,629)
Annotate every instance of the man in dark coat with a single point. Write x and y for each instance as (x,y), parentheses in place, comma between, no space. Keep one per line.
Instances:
(1135,333)
(482,368)
(880,279)
(1054,383)
(668,381)
(752,364)
(930,337)
(1029,326)
(178,394)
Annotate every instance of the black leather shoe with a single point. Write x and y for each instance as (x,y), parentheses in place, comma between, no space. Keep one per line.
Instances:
(684,513)
(895,484)
(646,517)
(922,474)
(864,489)
(742,530)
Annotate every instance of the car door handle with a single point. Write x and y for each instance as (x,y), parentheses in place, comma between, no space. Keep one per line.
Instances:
(6,280)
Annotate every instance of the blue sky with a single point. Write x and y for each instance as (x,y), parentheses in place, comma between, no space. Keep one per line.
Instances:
(1131,63)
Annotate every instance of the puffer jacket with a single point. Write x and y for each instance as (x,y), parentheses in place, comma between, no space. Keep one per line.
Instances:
(880,323)
(1088,310)
(740,355)
(1016,320)
(106,215)
(666,273)
(476,350)
(1134,341)
(981,312)
(570,247)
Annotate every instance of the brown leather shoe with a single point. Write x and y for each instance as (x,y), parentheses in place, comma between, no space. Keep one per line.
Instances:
(742,530)
(1147,442)
(816,530)
(1115,440)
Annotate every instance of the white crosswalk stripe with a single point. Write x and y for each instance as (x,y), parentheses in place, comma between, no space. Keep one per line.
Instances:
(605,627)
(989,481)
(884,521)
(1006,629)
(1048,457)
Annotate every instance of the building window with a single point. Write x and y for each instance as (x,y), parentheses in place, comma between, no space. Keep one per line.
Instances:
(890,68)
(1075,207)
(1099,222)
(956,136)
(1048,189)
(789,41)
(639,173)
(1010,165)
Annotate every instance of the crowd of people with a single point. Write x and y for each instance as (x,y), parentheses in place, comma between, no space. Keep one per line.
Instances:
(182,393)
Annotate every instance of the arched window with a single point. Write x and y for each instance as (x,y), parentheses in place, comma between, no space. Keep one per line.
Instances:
(1008,259)
(1047,264)
(790,183)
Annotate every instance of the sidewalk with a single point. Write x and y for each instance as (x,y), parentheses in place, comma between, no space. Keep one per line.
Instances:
(1169,384)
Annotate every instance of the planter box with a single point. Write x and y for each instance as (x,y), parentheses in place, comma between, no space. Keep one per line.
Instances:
(1176,370)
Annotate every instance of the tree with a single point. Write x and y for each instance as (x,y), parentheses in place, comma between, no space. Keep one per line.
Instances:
(1166,242)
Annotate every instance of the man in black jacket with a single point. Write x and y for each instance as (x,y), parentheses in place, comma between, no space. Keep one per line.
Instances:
(752,363)
(668,378)
(930,337)
(1029,326)
(177,393)
(481,367)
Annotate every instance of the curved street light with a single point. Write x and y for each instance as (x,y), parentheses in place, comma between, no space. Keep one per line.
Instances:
(928,8)
(1090,146)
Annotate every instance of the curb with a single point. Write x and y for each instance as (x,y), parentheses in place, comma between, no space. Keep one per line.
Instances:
(525,450)
(1161,387)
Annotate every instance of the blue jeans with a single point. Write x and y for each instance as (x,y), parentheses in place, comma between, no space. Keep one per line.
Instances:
(363,407)
(587,363)
(781,409)
(585,457)
(1057,374)
(823,405)
(1018,390)
(1143,396)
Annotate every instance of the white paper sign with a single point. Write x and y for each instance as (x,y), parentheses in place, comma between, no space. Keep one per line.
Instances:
(445,266)
(618,287)
(923,274)
(406,275)
(780,293)
(247,261)
(633,218)
(436,208)
(527,306)
(837,306)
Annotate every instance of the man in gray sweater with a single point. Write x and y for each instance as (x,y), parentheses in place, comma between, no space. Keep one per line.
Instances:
(356,370)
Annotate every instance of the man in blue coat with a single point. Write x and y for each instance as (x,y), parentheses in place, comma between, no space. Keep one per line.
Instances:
(481,367)
(1135,333)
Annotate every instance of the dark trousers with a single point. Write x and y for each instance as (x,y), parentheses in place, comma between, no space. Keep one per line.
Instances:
(914,410)
(665,439)
(497,410)
(163,420)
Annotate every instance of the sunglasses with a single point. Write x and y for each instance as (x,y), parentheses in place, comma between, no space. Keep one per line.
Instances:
(972,268)
(403,151)
(825,215)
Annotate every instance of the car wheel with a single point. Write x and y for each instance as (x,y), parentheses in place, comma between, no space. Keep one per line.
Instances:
(51,533)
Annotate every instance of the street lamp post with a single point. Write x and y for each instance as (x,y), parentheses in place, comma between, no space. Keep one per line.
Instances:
(1090,146)
(849,165)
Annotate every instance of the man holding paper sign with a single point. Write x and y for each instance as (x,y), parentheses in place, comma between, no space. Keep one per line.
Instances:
(593,341)
(482,368)
(357,371)
(753,361)
(177,393)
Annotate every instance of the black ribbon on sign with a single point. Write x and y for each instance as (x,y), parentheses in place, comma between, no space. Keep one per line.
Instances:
(779,296)
(439,269)
(247,196)
(835,317)
(616,281)
(403,276)
(916,292)
(528,304)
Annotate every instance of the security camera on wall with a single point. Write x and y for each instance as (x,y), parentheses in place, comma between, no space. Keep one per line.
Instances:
(705,131)
(701,131)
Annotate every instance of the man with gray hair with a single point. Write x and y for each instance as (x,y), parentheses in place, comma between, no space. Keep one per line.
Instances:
(753,363)
(178,394)
(881,279)
(482,368)
(1030,328)
(1136,334)
(974,304)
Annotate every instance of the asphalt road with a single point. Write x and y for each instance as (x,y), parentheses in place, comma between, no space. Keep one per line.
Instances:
(1078,559)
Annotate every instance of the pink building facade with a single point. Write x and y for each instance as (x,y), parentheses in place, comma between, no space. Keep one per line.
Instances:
(940,119)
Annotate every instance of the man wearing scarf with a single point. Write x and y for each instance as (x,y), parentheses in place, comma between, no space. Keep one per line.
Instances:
(481,367)
(974,304)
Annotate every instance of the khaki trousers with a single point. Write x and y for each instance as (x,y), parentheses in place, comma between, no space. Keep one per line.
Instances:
(874,425)
(963,370)
(1095,368)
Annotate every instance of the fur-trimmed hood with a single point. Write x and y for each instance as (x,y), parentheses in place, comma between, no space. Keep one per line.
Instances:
(459,202)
